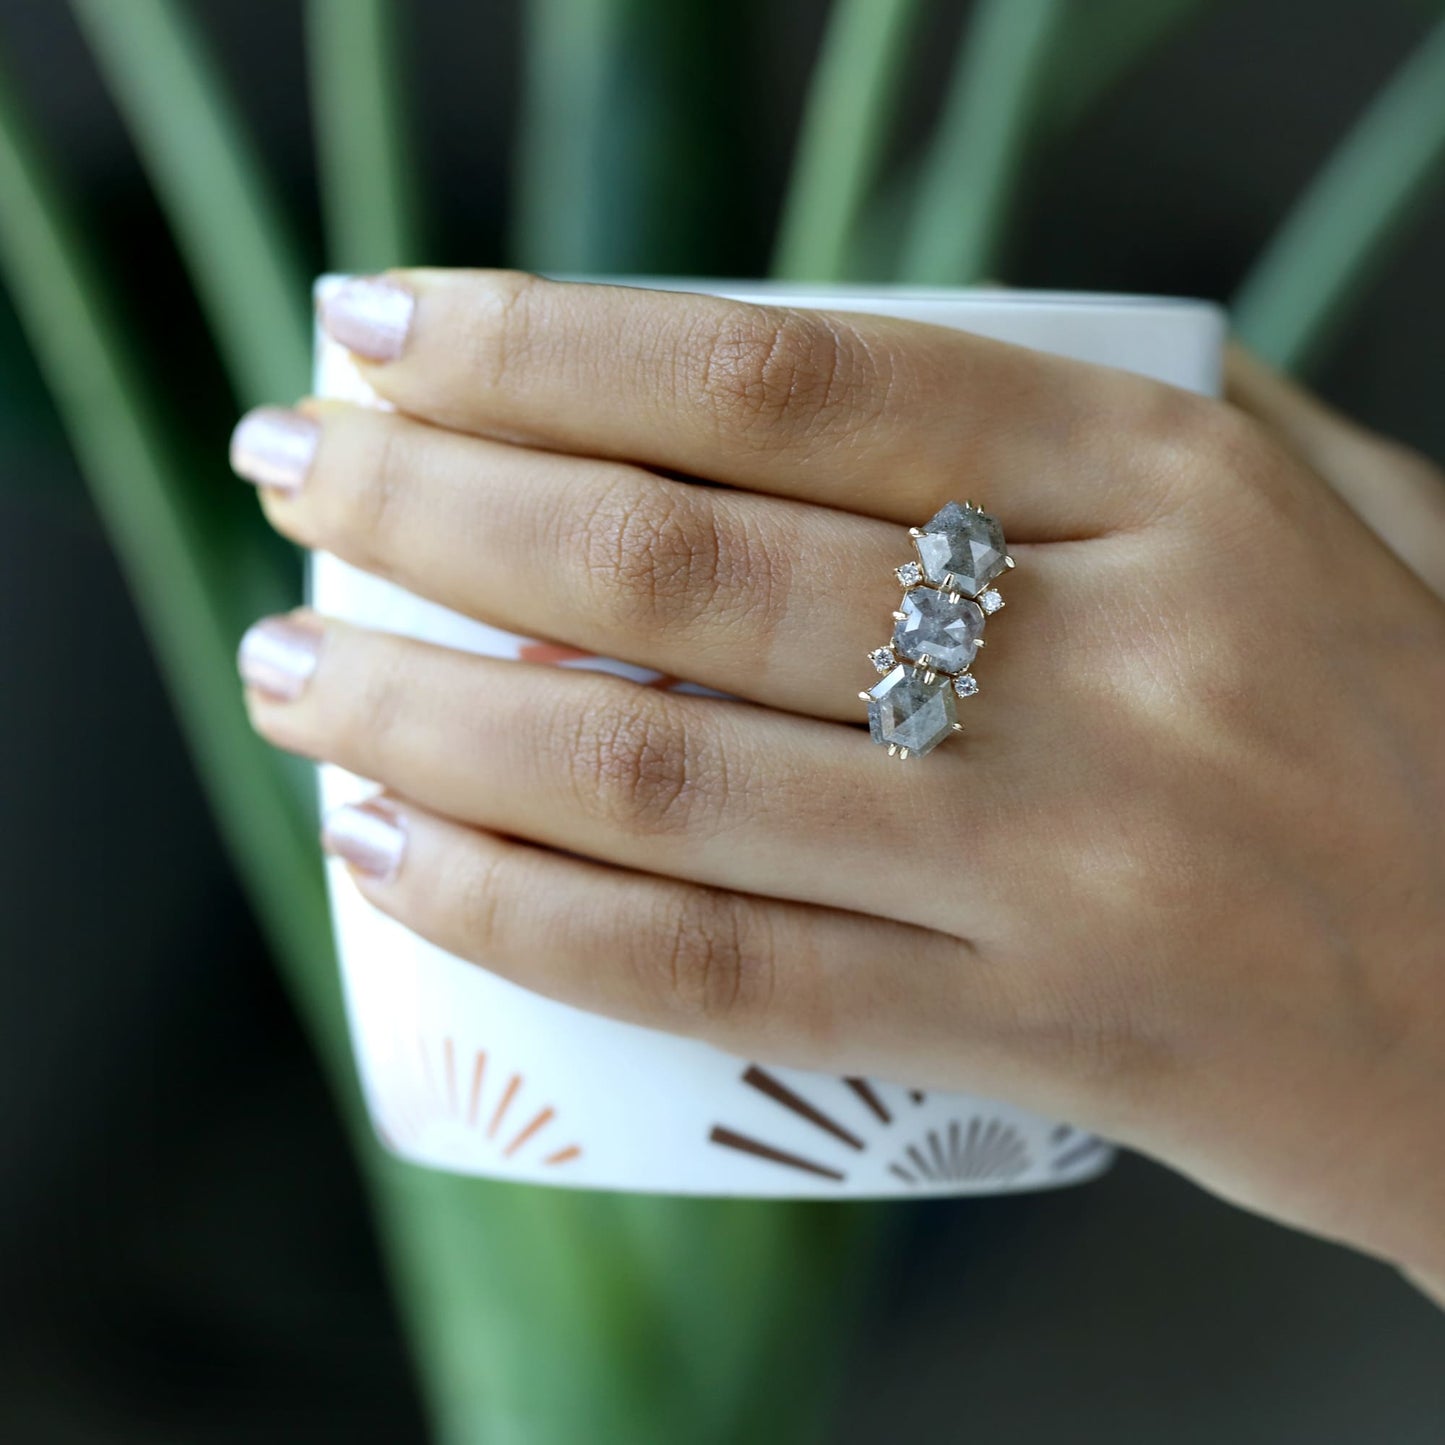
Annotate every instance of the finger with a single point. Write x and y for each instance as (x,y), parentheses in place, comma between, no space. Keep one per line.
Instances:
(786,981)
(871,414)
(705,789)
(1396,492)
(763,597)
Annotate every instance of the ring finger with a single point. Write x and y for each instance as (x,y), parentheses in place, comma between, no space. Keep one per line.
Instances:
(704,789)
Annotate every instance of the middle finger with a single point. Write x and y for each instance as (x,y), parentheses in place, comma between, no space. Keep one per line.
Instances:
(767,598)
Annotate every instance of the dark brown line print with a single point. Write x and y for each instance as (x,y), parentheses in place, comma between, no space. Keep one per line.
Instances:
(981,1160)
(1078,1154)
(970,1149)
(1061,1132)
(988,1146)
(935,1152)
(899,1172)
(780,1093)
(916,1095)
(955,1150)
(864,1091)
(729,1140)
(918,1160)
(994,1152)
(1012,1162)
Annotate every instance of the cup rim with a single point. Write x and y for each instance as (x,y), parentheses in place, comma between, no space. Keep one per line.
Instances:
(882,290)
(899,290)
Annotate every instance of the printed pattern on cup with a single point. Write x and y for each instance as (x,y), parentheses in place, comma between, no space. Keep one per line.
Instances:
(442,1088)
(972,1145)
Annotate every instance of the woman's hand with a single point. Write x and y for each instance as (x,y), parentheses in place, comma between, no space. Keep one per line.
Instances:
(1183,878)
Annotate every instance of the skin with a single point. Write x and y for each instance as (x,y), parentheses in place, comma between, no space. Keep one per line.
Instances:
(1183,878)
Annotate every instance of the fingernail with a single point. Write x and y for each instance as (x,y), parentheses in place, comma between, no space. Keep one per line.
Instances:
(278,655)
(273,447)
(370,316)
(370,836)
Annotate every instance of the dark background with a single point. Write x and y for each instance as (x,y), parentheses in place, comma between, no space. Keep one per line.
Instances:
(184,1254)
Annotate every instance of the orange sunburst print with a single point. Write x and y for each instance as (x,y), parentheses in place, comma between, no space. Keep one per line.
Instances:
(473,1092)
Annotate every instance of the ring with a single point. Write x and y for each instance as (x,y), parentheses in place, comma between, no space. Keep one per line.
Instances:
(937,631)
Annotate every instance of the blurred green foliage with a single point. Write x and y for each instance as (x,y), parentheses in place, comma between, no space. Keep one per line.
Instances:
(550,1315)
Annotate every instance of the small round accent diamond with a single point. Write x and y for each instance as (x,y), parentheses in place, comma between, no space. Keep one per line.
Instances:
(883,659)
(909,574)
(965,684)
(991,600)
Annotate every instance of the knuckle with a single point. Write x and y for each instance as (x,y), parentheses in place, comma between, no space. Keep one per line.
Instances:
(477,896)
(366,722)
(712,959)
(639,769)
(1227,441)
(782,376)
(357,506)
(1195,450)
(1217,446)
(654,564)
(502,330)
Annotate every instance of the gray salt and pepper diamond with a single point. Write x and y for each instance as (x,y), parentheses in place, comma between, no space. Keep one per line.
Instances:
(938,630)
(906,712)
(964,543)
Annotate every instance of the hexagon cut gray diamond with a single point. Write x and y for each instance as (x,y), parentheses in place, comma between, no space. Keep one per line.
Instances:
(963,542)
(936,630)
(907,712)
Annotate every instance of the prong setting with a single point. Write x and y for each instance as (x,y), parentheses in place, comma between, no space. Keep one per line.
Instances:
(948,594)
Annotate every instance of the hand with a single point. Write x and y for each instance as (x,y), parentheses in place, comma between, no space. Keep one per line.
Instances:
(1182,880)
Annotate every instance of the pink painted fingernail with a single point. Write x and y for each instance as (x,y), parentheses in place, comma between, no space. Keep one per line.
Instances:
(273,447)
(370,316)
(278,655)
(370,836)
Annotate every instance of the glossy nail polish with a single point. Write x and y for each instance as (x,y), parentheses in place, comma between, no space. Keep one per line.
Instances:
(273,447)
(369,836)
(278,655)
(370,316)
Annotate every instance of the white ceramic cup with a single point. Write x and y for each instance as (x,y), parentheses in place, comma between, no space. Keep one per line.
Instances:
(466,1072)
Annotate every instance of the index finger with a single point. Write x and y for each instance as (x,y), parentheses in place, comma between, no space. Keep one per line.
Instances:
(872,414)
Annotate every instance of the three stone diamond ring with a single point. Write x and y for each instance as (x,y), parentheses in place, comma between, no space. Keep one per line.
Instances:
(937,631)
